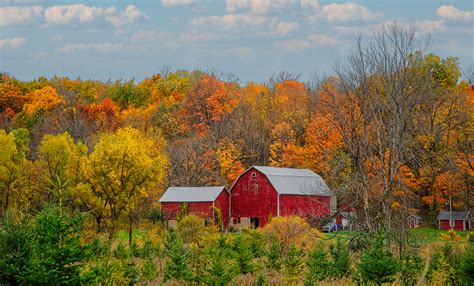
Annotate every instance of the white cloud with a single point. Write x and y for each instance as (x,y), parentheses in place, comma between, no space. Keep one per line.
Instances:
(15,15)
(14,42)
(450,12)
(312,5)
(83,47)
(429,26)
(258,6)
(244,22)
(63,14)
(284,28)
(346,12)
(146,35)
(173,3)
(130,15)
(320,40)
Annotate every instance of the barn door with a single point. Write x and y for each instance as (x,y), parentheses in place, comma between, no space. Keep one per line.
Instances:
(255,221)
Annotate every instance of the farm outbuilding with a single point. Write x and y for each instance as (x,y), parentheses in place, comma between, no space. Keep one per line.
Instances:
(414,220)
(260,193)
(201,201)
(455,220)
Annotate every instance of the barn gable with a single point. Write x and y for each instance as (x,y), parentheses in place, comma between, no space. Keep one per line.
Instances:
(289,181)
(191,194)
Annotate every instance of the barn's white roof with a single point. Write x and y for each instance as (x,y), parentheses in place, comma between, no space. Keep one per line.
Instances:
(290,181)
(191,194)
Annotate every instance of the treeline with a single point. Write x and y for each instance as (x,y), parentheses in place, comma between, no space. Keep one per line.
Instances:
(392,127)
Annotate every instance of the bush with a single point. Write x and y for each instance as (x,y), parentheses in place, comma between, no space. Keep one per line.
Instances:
(243,255)
(318,265)
(190,228)
(155,215)
(411,266)
(467,264)
(376,265)
(288,231)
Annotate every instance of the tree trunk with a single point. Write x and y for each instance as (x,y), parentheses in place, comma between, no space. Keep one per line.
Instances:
(130,230)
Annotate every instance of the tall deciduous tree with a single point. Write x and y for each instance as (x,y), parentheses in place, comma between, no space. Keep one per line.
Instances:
(123,165)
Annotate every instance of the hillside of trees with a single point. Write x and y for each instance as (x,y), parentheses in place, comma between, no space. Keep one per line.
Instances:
(390,131)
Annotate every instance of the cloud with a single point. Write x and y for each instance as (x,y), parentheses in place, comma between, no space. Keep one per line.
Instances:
(130,15)
(63,14)
(83,47)
(146,35)
(243,22)
(258,6)
(13,42)
(450,12)
(312,5)
(320,40)
(17,15)
(284,28)
(177,3)
(429,26)
(346,12)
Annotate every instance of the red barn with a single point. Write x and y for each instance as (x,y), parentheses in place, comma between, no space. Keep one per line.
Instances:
(454,220)
(263,192)
(201,201)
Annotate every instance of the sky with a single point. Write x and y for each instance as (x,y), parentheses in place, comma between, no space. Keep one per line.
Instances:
(251,39)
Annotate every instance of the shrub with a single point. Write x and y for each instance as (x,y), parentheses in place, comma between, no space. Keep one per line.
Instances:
(411,266)
(467,264)
(377,264)
(318,266)
(287,231)
(190,228)
(149,269)
(243,255)
(155,215)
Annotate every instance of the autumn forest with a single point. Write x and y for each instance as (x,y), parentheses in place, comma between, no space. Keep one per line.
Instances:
(390,131)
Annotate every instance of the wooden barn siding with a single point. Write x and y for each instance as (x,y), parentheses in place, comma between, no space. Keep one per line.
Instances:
(253,197)
(222,202)
(304,206)
(458,225)
(170,209)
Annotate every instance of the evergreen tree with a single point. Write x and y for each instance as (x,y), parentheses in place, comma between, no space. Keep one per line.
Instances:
(318,266)
(244,255)
(293,264)
(57,252)
(177,266)
(219,269)
(377,264)
(340,259)
(274,256)
(467,264)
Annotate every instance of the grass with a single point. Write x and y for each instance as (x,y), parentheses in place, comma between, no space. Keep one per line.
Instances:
(424,235)
(123,234)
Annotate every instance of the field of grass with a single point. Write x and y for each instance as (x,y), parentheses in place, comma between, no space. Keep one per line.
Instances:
(424,235)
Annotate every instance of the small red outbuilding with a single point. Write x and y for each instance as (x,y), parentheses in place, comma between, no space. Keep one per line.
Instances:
(454,220)
(263,192)
(201,201)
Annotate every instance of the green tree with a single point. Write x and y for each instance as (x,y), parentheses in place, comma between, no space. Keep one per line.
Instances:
(340,259)
(377,264)
(57,252)
(177,267)
(274,256)
(410,267)
(243,255)
(293,265)
(219,268)
(319,266)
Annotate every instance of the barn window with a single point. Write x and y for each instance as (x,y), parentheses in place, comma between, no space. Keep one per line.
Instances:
(254,174)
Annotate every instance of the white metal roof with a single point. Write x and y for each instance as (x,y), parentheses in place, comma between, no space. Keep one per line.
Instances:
(463,215)
(191,194)
(290,181)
